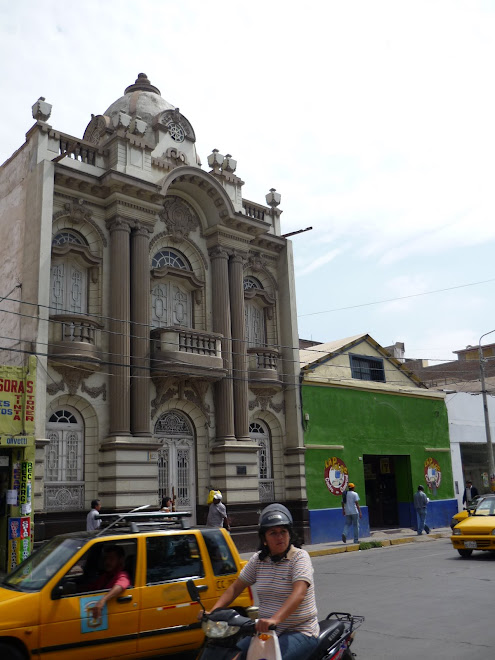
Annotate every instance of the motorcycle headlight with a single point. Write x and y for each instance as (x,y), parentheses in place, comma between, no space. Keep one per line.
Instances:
(218,629)
(456,532)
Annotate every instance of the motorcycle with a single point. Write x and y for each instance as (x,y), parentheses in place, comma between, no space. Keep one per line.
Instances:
(223,628)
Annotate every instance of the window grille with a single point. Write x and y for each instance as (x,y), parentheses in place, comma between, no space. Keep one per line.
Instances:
(367,368)
(170,258)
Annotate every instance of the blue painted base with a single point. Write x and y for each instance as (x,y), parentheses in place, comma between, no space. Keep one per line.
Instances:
(326,525)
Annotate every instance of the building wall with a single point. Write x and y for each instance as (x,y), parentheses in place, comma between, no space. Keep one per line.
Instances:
(353,423)
(467,427)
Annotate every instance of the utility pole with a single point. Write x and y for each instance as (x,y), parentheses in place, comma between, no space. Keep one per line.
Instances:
(491,464)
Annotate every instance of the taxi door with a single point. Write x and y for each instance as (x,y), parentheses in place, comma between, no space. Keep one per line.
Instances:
(67,627)
(169,621)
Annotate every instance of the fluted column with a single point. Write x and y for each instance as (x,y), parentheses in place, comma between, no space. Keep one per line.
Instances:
(239,348)
(119,345)
(224,399)
(140,331)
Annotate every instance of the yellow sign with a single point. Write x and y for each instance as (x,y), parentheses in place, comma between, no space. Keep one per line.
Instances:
(17,397)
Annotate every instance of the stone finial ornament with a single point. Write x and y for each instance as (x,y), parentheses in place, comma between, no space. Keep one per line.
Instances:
(273,198)
(229,164)
(41,109)
(142,84)
(215,159)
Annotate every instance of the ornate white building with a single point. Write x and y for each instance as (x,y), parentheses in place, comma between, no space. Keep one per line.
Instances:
(161,307)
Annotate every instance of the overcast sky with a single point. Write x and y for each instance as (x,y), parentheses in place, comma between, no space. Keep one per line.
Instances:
(374,120)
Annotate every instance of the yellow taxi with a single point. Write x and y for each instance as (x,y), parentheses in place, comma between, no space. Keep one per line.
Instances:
(46,603)
(468,511)
(476,532)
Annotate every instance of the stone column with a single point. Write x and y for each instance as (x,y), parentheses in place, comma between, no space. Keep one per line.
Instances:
(239,347)
(224,399)
(140,331)
(118,338)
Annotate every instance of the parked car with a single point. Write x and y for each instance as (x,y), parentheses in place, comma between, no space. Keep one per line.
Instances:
(46,603)
(468,511)
(477,531)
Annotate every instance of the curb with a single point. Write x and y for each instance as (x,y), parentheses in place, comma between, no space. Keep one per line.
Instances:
(385,543)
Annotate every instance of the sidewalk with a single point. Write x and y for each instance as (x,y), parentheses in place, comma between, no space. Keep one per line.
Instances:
(386,537)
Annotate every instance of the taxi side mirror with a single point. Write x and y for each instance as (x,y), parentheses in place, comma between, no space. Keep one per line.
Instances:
(64,589)
(57,591)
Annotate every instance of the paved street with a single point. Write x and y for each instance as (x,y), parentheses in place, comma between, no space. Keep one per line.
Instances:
(420,600)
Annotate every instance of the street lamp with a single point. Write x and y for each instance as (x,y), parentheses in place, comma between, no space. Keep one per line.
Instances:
(491,464)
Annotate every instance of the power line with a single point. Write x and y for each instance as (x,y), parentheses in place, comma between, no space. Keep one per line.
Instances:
(412,295)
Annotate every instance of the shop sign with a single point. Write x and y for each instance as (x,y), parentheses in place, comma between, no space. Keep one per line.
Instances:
(19,541)
(15,441)
(17,396)
(336,475)
(433,474)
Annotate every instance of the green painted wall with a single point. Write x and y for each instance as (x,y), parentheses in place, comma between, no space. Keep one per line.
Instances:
(374,423)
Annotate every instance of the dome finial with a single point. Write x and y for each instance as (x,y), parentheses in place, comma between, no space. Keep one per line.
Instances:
(142,84)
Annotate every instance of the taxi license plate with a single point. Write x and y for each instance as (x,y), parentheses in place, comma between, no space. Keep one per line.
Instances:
(470,544)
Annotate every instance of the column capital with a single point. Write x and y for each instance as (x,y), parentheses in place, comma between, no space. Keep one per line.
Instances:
(238,257)
(218,252)
(117,223)
(141,229)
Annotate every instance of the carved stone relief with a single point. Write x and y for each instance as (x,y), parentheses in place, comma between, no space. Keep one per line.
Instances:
(191,390)
(74,379)
(179,218)
(264,401)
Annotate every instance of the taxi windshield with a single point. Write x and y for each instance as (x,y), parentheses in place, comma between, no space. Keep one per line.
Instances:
(486,507)
(35,571)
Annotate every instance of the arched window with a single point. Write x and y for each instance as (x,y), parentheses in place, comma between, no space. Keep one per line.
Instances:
(64,462)
(171,298)
(67,236)
(176,460)
(69,276)
(170,258)
(259,432)
(251,282)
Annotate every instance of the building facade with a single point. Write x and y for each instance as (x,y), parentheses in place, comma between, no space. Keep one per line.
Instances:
(161,307)
(460,381)
(370,421)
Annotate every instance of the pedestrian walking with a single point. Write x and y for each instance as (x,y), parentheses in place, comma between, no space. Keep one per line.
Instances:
(92,521)
(352,512)
(217,513)
(470,492)
(420,504)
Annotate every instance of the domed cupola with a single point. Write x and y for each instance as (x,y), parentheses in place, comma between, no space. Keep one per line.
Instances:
(144,113)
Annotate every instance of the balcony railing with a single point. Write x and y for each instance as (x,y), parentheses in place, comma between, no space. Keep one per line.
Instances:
(78,150)
(265,358)
(176,350)
(253,210)
(75,337)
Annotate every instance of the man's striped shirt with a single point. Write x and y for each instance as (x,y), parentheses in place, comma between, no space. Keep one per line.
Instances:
(274,583)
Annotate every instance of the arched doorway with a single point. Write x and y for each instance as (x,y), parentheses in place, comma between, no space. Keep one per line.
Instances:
(176,461)
(259,432)
(64,461)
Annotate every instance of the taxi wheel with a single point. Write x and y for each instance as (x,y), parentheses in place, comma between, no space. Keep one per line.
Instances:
(9,652)
(465,553)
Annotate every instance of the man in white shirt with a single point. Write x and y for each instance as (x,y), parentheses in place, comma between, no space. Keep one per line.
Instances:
(92,521)
(352,512)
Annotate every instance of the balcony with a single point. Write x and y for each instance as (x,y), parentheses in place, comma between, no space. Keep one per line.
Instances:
(263,366)
(74,339)
(182,351)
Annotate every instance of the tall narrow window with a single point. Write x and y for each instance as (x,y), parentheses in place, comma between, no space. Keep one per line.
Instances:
(64,462)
